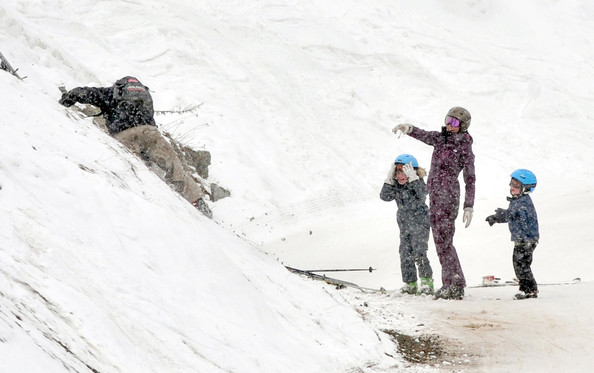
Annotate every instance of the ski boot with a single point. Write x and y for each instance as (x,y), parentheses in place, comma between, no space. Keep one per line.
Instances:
(201,205)
(525,295)
(426,286)
(409,288)
(450,293)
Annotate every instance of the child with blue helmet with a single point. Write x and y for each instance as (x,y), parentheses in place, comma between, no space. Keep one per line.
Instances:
(406,186)
(523,225)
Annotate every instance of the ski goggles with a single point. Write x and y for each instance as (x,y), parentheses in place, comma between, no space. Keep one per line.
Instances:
(451,121)
(399,166)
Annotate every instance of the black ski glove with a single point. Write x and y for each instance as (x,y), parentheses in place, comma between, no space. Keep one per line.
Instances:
(491,220)
(66,100)
(501,214)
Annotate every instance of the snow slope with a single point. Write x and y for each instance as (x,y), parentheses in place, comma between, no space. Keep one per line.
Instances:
(105,269)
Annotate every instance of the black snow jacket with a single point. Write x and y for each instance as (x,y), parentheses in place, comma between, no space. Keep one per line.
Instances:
(119,115)
(521,218)
(410,200)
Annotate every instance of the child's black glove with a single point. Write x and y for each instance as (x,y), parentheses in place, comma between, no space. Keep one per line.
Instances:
(501,214)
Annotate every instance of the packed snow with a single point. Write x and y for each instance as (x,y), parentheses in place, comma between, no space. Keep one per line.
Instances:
(103,268)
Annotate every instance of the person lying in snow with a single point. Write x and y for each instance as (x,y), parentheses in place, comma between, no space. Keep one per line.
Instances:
(523,225)
(128,110)
(406,186)
(452,154)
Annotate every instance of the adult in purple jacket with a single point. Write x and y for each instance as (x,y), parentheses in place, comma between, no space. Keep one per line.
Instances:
(452,153)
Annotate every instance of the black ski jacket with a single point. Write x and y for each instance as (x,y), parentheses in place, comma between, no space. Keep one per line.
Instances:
(410,199)
(118,116)
(521,218)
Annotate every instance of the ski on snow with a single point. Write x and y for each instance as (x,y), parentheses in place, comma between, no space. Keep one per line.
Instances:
(339,284)
(492,281)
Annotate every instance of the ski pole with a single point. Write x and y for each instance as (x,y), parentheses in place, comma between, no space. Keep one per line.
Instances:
(370,269)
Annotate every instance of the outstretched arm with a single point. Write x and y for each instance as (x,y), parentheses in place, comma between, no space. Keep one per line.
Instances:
(99,97)
(500,216)
(428,137)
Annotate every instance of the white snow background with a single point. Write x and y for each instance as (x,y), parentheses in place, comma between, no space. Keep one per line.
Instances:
(104,269)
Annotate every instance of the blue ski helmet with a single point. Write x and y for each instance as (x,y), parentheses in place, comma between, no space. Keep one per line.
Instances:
(406,159)
(526,177)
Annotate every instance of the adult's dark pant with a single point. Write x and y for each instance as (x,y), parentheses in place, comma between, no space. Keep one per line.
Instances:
(442,216)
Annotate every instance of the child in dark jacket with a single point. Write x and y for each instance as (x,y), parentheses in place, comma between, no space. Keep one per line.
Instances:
(406,186)
(523,225)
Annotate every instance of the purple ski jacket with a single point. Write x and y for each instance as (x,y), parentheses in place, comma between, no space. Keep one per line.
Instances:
(452,153)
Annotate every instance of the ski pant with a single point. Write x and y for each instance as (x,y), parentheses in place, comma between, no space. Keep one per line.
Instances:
(148,143)
(522,259)
(413,252)
(442,216)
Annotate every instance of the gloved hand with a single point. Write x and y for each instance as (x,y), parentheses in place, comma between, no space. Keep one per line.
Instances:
(66,100)
(410,172)
(501,214)
(390,177)
(491,220)
(404,128)
(467,217)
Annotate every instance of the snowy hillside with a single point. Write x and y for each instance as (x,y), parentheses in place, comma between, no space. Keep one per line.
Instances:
(104,269)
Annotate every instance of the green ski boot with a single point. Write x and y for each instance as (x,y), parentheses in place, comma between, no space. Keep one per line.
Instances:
(409,288)
(426,286)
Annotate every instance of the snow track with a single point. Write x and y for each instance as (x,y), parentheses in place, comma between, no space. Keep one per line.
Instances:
(488,331)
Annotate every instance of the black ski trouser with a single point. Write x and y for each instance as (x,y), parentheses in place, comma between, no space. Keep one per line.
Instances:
(522,259)
(413,252)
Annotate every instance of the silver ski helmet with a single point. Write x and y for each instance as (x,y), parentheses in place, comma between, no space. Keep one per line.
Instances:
(462,115)
(406,159)
(526,177)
